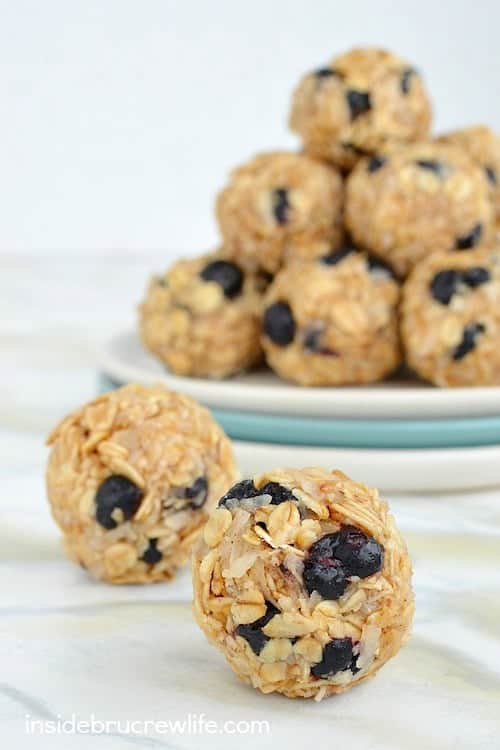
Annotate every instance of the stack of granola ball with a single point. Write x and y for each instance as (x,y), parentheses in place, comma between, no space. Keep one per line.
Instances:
(374,244)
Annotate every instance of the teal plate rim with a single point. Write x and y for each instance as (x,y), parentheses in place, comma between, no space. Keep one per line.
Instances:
(352,433)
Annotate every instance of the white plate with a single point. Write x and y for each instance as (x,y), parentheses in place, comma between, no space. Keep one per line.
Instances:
(389,470)
(125,360)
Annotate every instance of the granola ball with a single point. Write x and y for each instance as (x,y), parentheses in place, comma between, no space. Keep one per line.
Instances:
(451,318)
(131,479)
(303,581)
(279,207)
(357,103)
(332,321)
(408,203)
(483,146)
(202,317)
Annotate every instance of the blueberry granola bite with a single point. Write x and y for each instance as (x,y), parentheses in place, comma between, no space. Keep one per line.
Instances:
(360,101)
(279,207)
(131,479)
(332,321)
(202,317)
(303,581)
(483,146)
(450,318)
(424,198)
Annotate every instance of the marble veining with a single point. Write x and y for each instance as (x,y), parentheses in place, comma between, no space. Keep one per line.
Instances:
(73,647)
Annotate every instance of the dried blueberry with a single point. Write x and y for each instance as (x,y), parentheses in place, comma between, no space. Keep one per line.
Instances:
(152,554)
(468,342)
(328,73)
(252,632)
(116,493)
(476,276)
(377,265)
(444,285)
(491,175)
(469,240)
(405,80)
(226,274)
(279,494)
(376,163)
(239,491)
(360,554)
(197,494)
(337,255)
(322,571)
(246,489)
(337,657)
(312,343)
(279,323)
(359,102)
(432,166)
(281,205)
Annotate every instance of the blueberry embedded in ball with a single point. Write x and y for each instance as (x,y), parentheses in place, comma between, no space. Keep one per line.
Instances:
(312,342)
(322,73)
(359,102)
(476,276)
(252,632)
(279,494)
(466,241)
(152,554)
(279,324)
(444,285)
(226,274)
(116,493)
(360,554)
(491,175)
(376,265)
(246,490)
(324,574)
(197,494)
(336,256)
(239,491)
(281,205)
(406,79)
(376,163)
(431,165)
(468,342)
(338,656)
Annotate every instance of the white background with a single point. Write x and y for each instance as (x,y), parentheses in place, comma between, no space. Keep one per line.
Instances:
(120,118)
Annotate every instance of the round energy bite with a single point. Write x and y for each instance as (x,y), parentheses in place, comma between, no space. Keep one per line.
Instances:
(202,317)
(451,318)
(131,479)
(408,203)
(303,581)
(332,321)
(279,207)
(483,146)
(357,103)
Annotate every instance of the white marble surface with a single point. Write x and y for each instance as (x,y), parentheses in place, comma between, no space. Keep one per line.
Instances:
(72,647)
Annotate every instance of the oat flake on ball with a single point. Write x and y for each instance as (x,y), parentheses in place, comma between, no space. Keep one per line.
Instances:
(131,479)
(202,317)
(451,318)
(357,103)
(408,203)
(303,581)
(332,321)
(483,146)
(279,207)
